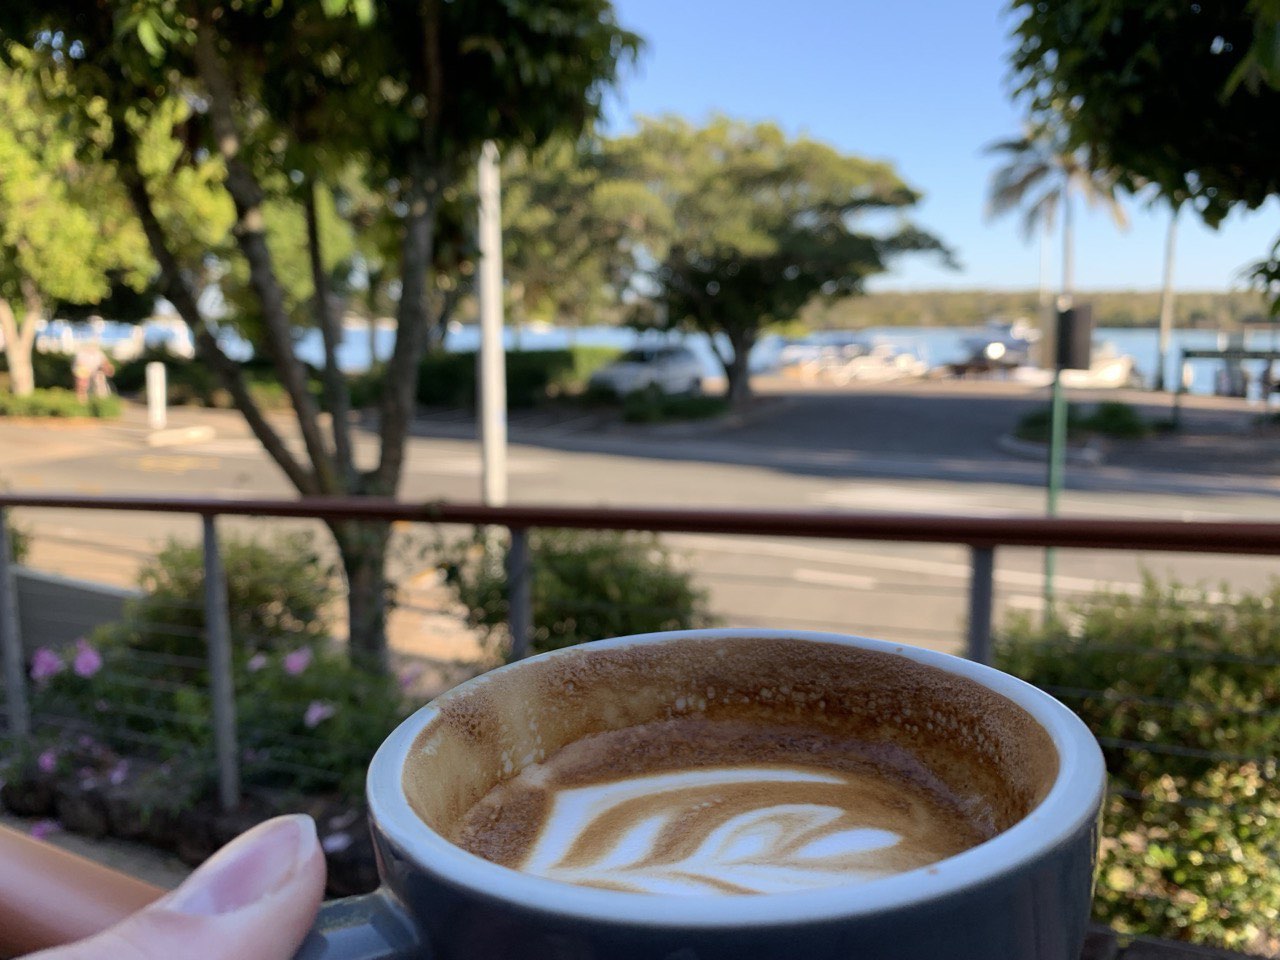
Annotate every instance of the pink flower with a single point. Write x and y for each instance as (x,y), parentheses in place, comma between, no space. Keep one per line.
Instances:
(41,829)
(45,664)
(317,712)
(88,661)
(297,661)
(410,675)
(256,662)
(47,760)
(119,773)
(335,842)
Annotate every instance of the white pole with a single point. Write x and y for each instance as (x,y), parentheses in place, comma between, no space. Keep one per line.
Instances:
(492,367)
(157,414)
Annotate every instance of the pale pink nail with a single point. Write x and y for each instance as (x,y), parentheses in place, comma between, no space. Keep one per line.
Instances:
(247,869)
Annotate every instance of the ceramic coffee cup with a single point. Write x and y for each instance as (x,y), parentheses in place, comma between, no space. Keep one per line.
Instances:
(1010,758)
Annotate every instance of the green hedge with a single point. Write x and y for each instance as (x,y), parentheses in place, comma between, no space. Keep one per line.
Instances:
(587,585)
(1183,691)
(50,369)
(58,403)
(191,383)
(1111,418)
(533,376)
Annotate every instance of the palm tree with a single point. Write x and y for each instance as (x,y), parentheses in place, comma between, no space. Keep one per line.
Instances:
(1044,173)
(1166,301)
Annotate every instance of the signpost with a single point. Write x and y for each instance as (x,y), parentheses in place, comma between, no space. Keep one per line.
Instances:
(1074,343)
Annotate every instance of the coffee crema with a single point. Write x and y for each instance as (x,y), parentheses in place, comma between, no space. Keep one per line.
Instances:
(725,765)
(692,806)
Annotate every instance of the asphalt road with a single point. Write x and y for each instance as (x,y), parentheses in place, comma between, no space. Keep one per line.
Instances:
(881,450)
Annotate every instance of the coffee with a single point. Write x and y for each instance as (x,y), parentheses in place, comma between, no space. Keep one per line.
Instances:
(735,766)
(703,807)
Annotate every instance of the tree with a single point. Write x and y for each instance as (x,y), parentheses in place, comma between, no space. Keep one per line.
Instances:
(1181,96)
(754,225)
(66,232)
(282,97)
(1041,176)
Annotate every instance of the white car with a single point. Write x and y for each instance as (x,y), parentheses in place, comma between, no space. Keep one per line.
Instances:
(671,370)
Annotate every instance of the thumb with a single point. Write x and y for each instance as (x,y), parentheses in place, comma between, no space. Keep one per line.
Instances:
(255,899)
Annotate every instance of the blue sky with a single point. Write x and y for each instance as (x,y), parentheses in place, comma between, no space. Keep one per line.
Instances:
(921,83)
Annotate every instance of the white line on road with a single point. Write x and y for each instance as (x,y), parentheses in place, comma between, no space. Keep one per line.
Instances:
(833,578)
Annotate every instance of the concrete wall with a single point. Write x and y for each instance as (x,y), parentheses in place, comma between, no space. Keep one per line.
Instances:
(54,611)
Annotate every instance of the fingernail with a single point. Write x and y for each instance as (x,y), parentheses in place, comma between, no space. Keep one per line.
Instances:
(249,868)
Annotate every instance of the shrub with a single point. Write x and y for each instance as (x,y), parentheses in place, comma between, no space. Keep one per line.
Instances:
(19,542)
(653,406)
(1110,418)
(191,383)
(533,376)
(307,719)
(277,592)
(1182,695)
(50,370)
(58,402)
(587,585)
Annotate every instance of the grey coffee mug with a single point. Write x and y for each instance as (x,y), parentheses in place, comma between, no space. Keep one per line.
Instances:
(1024,894)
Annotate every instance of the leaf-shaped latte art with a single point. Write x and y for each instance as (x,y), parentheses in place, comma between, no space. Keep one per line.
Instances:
(708,831)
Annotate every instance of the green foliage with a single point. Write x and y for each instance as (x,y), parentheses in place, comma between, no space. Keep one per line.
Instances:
(307,718)
(654,406)
(192,383)
(533,376)
(57,402)
(1175,97)
(746,226)
(965,308)
(19,542)
(1191,827)
(587,585)
(277,594)
(1111,418)
(51,370)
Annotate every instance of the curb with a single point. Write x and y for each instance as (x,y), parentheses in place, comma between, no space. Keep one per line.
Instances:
(176,436)
(1087,456)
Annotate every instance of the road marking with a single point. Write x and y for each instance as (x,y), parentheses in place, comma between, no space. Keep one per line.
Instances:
(832,578)
(171,464)
(936,568)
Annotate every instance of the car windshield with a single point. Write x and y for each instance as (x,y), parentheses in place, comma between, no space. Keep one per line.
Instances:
(643,355)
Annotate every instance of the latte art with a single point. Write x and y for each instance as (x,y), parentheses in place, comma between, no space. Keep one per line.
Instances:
(752,830)
(703,808)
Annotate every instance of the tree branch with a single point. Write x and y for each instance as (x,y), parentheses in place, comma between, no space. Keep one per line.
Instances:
(336,392)
(250,234)
(179,294)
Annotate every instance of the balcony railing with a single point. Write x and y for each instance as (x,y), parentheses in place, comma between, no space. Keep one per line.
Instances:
(983,537)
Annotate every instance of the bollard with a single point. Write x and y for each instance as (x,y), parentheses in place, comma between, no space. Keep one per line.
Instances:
(157,396)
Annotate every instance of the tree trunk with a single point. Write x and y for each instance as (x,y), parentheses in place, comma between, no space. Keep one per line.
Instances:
(363,548)
(738,369)
(1166,302)
(18,341)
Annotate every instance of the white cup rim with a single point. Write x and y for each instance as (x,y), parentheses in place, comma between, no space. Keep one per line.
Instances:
(1070,804)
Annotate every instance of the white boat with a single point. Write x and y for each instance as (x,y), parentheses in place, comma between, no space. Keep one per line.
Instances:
(1108,370)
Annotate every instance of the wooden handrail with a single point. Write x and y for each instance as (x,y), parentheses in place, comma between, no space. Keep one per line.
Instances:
(49,896)
(1085,533)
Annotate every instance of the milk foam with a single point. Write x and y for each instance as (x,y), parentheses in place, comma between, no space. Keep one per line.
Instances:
(664,833)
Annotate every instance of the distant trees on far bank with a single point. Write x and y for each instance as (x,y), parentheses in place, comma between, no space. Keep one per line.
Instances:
(960,308)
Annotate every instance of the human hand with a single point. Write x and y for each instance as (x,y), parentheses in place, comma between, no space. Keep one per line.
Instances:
(255,899)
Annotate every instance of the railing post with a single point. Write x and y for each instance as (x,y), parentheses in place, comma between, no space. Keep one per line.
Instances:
(982,562)
(221,685)
(15,680)
(520,593)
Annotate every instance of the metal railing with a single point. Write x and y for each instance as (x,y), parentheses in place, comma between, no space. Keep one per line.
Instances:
(982,537)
